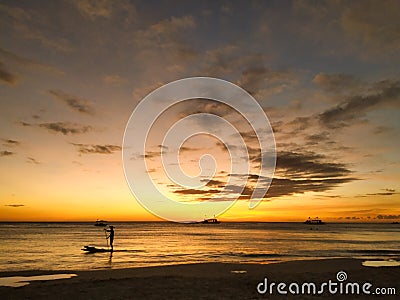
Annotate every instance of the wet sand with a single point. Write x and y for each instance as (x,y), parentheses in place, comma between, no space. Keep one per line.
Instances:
(204,281)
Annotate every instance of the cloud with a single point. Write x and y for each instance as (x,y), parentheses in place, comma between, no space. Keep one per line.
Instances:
(6,153)
(170,36)
(281,187)
(61,127)
(7,77)
(96,149)
(140,92)
(253,79)
(64,127)
(373,26)
(11,143)
(352,109)
(15,205)
(310,165)
(367,30)
(296,173)
(199,105)
(28,63)
(31,160)
(75,103)
(336,83)
(32,25)
(114,80)
(317,138)
(165,35)
(388,217)
(197,191)
(94,9)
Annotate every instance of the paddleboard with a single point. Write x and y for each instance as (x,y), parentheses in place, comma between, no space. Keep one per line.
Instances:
(93,249)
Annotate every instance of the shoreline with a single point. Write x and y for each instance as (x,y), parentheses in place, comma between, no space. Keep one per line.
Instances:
(200,280)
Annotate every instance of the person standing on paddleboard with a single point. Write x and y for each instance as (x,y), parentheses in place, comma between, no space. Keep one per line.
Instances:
(111,236)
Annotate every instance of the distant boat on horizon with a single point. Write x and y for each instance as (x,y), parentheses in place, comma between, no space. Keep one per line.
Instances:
(315,221)
(101,223)
(210,221)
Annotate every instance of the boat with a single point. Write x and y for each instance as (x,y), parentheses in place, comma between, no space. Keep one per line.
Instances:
(210,221)
(102,223)
(315,221)
(93,249)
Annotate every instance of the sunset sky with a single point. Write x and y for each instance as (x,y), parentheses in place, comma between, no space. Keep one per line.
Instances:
(326,73)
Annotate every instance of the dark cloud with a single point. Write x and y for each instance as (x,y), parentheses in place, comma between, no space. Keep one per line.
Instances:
(188,149)
(6,77)
(63,127)
(15,205)
(150,154)
(352,109)
(75,103)
(6,153)
(388,217)
(99,149)
(281,187)
(309,164)
(213,182)
(318,138)
(296,173)
(385,192)
(197,192)
(300,124)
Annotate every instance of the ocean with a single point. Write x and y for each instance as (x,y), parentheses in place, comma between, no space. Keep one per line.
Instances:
(57,246)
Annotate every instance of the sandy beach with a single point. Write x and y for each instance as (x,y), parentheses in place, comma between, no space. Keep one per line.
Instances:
(204,281)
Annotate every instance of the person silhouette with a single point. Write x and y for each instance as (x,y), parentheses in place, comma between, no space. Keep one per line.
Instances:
(111,236)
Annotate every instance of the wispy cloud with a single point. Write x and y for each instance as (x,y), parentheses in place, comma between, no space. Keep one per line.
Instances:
(96,149)
(116,80)
(10,143)
(105,9)
(336,83)
(31,160)
(28,63)
(74,102)
(64,128)
(6,153)
(31,25)
(15,205)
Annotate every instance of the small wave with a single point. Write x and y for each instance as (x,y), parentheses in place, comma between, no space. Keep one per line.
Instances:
(254,255)
(369,251)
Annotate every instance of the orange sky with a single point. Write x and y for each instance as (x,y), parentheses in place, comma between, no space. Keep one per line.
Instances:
(326,75)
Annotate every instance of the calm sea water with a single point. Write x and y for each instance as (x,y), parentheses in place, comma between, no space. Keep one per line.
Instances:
(57,246)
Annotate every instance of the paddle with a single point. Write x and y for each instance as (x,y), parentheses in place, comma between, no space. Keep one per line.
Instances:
(105,232)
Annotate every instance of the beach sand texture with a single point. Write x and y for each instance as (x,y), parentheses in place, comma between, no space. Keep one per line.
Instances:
(203,281)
